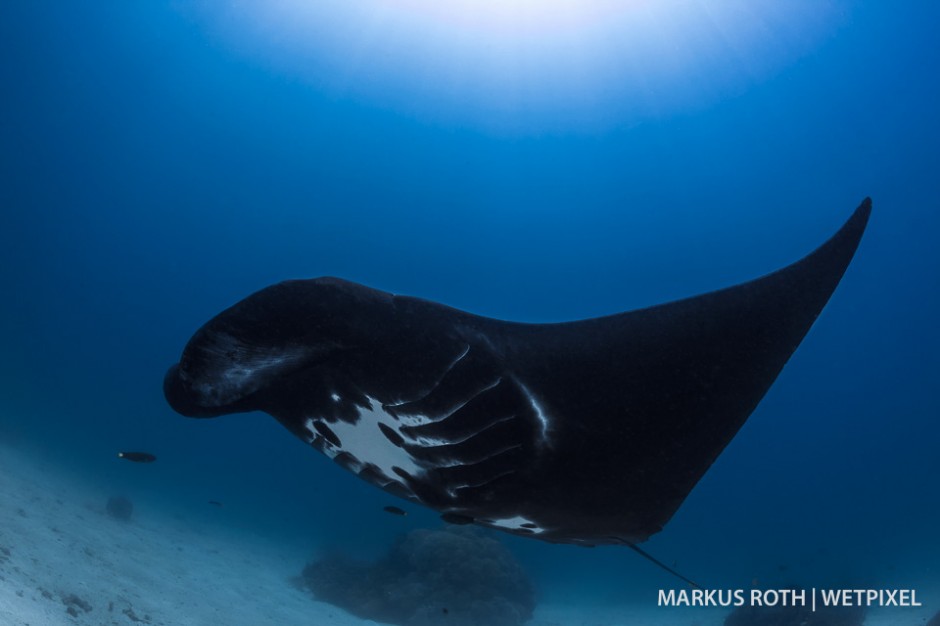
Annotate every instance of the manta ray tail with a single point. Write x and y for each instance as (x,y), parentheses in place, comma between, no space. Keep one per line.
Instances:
(650,557)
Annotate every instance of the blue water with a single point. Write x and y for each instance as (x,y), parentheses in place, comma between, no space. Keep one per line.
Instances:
(161,161)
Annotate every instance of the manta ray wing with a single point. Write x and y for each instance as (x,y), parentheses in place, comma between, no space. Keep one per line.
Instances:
(641,404)
(583,432)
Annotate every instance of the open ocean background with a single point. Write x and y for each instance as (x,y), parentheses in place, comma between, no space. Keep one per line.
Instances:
(162,160)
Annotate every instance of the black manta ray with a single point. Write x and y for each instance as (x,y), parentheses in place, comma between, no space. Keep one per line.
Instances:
(587,432)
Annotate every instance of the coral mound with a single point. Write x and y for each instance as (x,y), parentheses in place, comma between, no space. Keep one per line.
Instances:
(120,508)
(453,576)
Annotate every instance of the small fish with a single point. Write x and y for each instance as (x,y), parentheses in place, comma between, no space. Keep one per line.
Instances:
(137,457)
(457,518)
(394,510)
(215,503)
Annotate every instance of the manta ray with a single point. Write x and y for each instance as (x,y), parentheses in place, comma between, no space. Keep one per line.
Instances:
(586,432)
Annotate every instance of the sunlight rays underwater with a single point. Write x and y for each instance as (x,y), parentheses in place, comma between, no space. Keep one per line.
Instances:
(525,67)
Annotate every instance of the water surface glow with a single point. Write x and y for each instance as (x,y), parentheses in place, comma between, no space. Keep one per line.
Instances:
(526,65)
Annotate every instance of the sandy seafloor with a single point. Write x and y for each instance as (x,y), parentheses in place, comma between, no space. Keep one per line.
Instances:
(168,569)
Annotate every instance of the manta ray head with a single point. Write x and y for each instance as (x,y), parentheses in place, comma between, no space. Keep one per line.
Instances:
(262,340)
(218,372)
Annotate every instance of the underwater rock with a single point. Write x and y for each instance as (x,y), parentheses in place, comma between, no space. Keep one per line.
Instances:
(796,616)
(453,576)
(73,603)
(120,508)
(129,612)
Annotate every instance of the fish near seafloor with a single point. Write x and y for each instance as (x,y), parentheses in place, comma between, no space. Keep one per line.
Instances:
(587,432)
(137,457)
(394,510)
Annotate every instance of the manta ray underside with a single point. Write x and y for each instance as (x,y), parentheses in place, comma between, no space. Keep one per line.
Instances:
(586,432)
